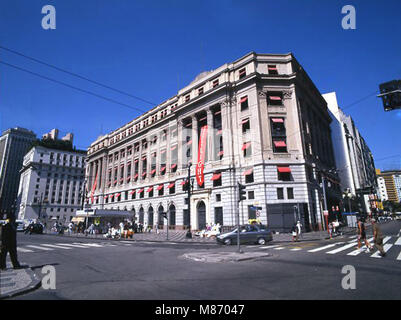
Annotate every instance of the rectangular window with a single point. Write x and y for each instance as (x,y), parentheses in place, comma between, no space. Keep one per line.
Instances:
(218,215)
(247,149)
(290,193)
(275,98)
(280,193)
(215,83)
(218,197)
(251,195)
(284,173)
(242,73)
(246,127)
(200,91)
(244,103)
(272,69)
(187,97)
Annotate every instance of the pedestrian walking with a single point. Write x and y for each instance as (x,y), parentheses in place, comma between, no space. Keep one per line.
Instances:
(8,234)
(362,236)
(299,227)
(294,232)
(378,238)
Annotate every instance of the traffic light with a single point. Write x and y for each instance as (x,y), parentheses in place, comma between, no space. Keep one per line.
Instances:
(241,192)
(390,92)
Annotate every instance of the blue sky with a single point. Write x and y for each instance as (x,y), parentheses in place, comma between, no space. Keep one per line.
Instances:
(150,48)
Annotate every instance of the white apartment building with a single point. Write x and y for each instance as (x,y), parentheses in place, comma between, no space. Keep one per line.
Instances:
(268,127)
(51,184)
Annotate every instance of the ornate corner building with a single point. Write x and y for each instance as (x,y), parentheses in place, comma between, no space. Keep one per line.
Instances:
(265,125)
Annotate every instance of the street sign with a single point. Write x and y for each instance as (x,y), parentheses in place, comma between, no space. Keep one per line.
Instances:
(326,213)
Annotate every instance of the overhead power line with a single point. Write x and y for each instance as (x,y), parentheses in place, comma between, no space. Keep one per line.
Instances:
(72,87)
(77,75)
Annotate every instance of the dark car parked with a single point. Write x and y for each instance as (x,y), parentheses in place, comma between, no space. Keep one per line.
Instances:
(250,233)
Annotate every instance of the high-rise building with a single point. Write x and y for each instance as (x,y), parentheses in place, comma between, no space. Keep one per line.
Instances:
(354,160)
(259,121)
(392,184)
(14,143)
(51,183)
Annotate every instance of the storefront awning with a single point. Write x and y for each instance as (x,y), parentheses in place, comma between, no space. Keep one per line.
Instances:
(280,144)
(78,219)
(248,172)
(284,169)
(278,120)
(171,185)
(216,176)
(160,187)
(149,189)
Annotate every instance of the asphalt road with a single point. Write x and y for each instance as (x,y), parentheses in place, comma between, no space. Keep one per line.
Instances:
(100,269)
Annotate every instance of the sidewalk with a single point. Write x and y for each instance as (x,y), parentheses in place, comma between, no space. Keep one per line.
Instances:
(313,236)
(16,282)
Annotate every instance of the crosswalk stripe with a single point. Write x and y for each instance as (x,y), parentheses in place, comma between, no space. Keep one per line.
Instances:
(279,248)
(296,249)
(386,247)
(341,248)
(398,242)
(125,241)
(40,248)
(55,246)
(399,256)
(386,239)
(23,250)
(90,244)
(72,245)
(358,251)
(266,247)
(323,248)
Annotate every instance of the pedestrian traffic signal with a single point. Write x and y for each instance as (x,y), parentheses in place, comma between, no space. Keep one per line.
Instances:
(241,192)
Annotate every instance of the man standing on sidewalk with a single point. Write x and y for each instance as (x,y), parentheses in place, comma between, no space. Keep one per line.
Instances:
(8,233)
(378,238)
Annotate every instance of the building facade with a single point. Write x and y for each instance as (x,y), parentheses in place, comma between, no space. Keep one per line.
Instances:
(259,121)
(51,184)
(389,182)
(354,160)
(14,143)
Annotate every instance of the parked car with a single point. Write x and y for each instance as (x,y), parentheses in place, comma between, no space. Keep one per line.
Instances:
(250,233)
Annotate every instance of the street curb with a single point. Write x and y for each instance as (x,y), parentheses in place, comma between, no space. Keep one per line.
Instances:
(222,257)
(36,283)
(133,240)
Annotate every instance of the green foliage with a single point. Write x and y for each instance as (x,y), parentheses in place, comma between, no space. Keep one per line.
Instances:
(55,144)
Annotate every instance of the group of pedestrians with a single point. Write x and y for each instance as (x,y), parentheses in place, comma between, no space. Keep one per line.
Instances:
(377,237)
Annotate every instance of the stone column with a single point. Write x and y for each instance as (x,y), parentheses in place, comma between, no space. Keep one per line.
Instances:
(210,136)
(195,140)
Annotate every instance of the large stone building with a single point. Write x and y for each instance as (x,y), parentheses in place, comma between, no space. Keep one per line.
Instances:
(389,182)
(14,143)
(52,181)
(268,127)
(354,160)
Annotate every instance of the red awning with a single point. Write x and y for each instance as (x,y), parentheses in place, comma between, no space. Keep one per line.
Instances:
(173,166)
(171,185)
(173,148)
(111,196)
(248,172)
(272,68)
(217,112)
(160,187)
(105,197)
(163,168)
(243,99)
(283,169)
(183,182)
(220,153)
(135,176)
(245,121)
(136,160)
(132,192)
(246,146)
(150,189)
(276,98)
(216,176)
(118,194)
(143,158)
(140,190)
(278,120)
(153,171)
(144,174)
(280,144)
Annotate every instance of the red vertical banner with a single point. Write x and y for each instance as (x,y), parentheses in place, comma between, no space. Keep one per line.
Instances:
(200,178)
(94,185)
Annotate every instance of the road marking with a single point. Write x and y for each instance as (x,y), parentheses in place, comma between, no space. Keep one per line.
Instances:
(126,241)
(72,245)
(358,251)
(386,239)
(353,241)
(90,244)
(353,237)
(279,248)
(40,248)
(323,248)
(266,247)
(399,256)
(386,247)
(23,250)
(341,248)
(398,242)
(296,249)
(55,246)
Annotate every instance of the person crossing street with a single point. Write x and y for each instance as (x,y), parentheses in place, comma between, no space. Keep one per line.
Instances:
(8,234)
(378,238)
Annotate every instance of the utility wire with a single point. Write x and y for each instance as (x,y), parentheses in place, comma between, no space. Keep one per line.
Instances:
(72,87)
(77,75)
